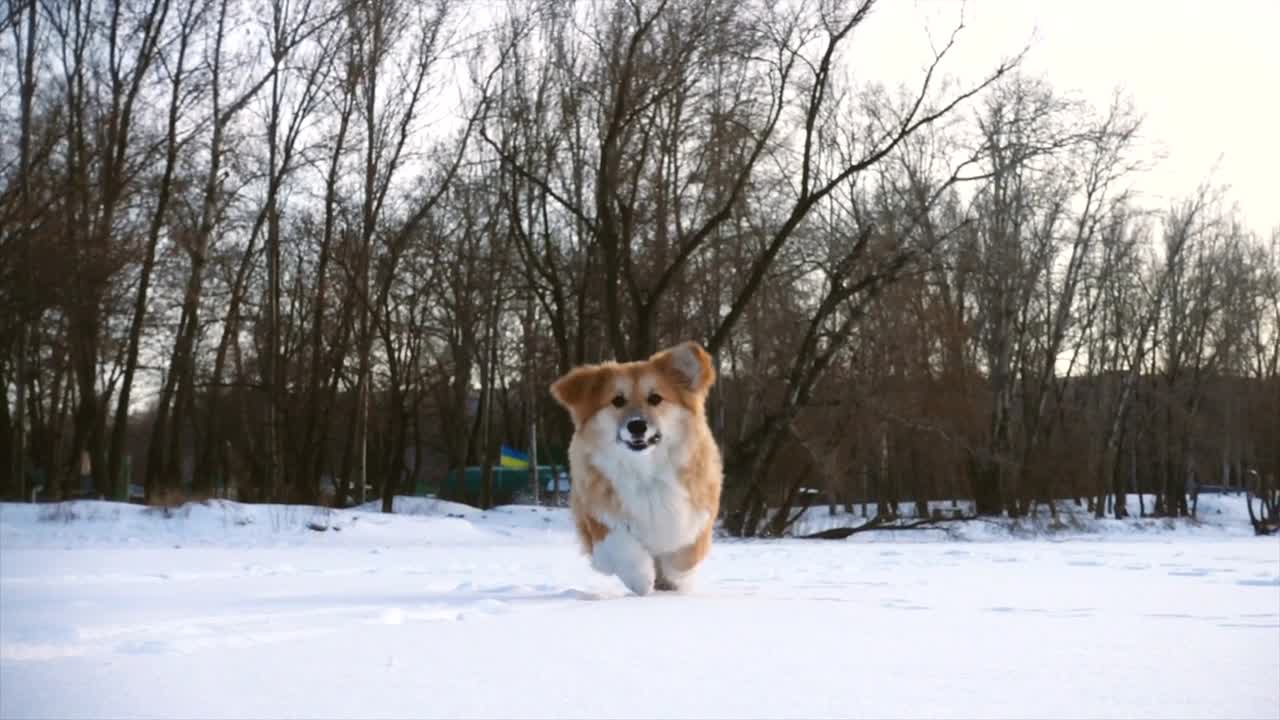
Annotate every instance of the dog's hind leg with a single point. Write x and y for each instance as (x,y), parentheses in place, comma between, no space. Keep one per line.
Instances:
(675,570)
(669,577)
(661,582)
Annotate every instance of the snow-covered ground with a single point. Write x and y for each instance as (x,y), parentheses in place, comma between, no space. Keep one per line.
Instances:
(226,610)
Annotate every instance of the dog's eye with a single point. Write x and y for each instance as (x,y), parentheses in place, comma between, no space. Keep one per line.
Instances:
(619,401)
(654,398)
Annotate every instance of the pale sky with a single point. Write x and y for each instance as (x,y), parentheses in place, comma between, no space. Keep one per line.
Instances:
(1205,75)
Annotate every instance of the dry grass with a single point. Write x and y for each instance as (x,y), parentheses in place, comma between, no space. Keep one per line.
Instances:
(168,501)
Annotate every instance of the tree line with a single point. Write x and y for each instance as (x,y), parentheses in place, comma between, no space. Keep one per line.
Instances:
(305,246)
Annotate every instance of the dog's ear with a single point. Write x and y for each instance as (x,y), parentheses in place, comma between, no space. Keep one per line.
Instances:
(688,366)
(576,390)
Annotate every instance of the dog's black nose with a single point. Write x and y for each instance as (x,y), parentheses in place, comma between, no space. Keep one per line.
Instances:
(637,427)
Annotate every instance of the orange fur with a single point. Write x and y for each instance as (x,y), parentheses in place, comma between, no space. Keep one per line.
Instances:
(680,378)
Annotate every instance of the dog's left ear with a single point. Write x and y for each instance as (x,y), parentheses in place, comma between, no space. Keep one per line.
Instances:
(688,365)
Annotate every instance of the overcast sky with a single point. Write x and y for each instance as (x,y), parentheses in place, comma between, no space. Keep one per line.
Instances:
(1206,75)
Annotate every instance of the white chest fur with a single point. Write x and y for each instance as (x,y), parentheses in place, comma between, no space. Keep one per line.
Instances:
(656,507)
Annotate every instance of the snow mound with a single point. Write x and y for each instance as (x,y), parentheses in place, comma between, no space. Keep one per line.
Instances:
(418,521)
(1217,515)
(508,516)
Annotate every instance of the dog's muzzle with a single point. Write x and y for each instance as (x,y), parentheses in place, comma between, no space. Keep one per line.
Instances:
(636,436)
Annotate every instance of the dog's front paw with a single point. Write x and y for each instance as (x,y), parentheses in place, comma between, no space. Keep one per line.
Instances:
(621,555)
(639,580)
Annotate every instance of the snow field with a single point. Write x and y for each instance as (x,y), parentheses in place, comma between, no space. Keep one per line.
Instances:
(226,610)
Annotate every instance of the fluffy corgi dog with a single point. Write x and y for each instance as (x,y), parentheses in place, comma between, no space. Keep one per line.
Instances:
(645,469)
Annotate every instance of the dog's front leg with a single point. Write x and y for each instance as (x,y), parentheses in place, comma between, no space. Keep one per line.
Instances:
(620,554)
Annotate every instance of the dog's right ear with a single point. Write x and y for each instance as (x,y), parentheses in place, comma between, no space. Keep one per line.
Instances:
(577,389)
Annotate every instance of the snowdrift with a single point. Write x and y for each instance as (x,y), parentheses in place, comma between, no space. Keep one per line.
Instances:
(1217,515)
(418,520)
(93,523)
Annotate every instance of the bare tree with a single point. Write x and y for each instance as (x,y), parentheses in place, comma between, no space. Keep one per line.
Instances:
(299,267)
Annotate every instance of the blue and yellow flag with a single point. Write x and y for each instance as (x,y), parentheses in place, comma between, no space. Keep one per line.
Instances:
(514,459)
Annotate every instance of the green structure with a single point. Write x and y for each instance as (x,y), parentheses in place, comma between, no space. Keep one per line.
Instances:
(507,483)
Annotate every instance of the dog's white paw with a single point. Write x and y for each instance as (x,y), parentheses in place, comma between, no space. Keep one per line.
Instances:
(621,555)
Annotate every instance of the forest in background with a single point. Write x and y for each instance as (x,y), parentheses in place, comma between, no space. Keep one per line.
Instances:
(277,244)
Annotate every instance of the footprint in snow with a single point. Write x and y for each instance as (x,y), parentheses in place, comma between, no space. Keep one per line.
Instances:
(1260,582)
